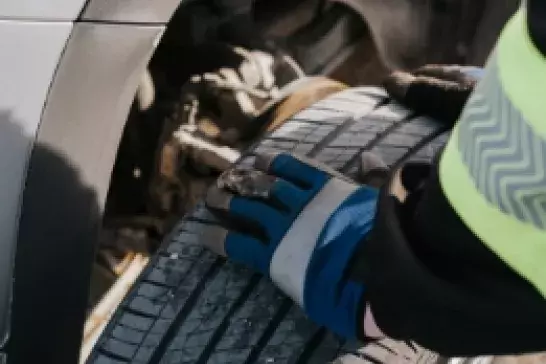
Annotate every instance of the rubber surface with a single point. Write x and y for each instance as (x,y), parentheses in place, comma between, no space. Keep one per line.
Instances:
(190,306)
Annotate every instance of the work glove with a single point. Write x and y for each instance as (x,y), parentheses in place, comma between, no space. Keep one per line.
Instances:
(439,91)
(299,223)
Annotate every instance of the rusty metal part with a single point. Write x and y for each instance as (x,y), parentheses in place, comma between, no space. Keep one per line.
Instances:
(123,265)
(169,161)
(217,157)
(109,258)
(208,128)
(317,89)
(117,266)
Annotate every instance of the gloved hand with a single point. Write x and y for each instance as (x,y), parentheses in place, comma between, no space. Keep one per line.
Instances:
(439,91)
(299,223)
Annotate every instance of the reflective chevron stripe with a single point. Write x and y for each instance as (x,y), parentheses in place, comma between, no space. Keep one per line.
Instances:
(505,158)
(493,170)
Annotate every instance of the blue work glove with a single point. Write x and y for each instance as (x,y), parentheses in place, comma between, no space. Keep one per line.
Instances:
(302,224)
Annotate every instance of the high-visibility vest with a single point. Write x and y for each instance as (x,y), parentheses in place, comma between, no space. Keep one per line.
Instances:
(493,170)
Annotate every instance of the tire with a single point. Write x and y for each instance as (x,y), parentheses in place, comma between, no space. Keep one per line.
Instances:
(189,306)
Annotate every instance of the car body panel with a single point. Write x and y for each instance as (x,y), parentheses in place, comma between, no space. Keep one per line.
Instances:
(67,80)
(104,64)
(30,54)
(66,184)
(52,10)
(130,11)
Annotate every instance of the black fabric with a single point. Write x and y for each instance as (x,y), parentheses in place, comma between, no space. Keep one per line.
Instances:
(432,281)
(241,30)
(227,21)
(232,7)
(536,21)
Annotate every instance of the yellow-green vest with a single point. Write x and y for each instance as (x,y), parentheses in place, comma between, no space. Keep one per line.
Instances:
(493,170)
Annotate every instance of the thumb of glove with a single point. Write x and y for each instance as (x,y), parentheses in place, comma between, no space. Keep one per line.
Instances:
(438,91)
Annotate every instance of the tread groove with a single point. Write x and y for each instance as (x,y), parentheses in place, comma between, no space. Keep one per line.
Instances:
(132,311)
(252,322)
(209,348)
(112,355)
(269,331)
(311,346)
(341,128)
(158,284)
(375,141)
(173,327)
(331,136)
(423,142)
(350,121)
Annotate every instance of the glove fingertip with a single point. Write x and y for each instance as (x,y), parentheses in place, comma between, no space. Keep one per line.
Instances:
(214,238)
(263,161)
(398,83)
(296,169)
(373,171)
(218,199)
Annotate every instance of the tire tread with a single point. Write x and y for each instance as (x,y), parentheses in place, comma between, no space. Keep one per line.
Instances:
(190,306)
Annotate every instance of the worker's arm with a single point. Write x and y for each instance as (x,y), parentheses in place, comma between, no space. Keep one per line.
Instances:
(428,271)
(457,265)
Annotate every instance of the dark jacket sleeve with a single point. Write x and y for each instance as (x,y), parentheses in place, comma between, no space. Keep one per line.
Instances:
(536,22)
(430,280)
